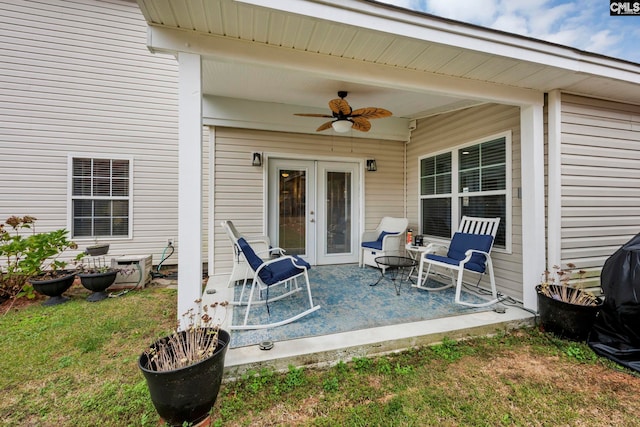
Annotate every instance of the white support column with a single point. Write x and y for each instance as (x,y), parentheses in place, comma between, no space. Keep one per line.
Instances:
(554,187)
(210,208)
(189,182)
(532,167)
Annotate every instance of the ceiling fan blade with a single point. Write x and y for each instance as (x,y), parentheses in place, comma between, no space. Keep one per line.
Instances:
(324,126)
(361,124)
(312,115)
(340,107)
(371,113)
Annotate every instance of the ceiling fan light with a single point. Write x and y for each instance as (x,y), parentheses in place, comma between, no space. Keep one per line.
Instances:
(341,126)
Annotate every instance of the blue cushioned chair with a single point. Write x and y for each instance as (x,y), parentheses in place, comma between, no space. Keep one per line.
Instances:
(283,271)
(385,240)
(241,270)
(469,250)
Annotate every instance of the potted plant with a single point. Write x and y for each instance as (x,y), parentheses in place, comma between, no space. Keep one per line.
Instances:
(32,258)
(96,276)
(184,369)
(565,309)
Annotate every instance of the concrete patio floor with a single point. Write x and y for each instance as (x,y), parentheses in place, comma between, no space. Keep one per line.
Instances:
(330,349)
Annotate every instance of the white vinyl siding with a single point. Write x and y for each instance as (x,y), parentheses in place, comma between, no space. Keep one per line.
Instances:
(239,186)
(600,166)
(78,78)
(445,132)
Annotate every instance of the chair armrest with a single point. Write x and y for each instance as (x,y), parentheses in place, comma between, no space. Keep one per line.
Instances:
(469,253)
(271,251)
(391,239)
(433,248)
(280,259)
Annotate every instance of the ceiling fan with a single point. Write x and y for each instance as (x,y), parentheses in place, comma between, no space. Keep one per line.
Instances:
(346,118)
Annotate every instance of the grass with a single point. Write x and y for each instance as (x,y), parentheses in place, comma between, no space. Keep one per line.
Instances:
(76,365)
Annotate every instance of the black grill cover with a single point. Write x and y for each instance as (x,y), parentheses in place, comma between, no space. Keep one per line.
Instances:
(616,332)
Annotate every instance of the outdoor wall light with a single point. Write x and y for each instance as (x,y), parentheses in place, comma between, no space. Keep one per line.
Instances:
(371,165)
(341,126)
(257,159)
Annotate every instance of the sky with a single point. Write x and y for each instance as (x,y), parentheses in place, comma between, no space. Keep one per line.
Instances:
(581,24)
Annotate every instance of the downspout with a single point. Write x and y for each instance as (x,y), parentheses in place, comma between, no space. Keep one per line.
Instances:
(554,179)
(412,126)
(404,161)
(211,205)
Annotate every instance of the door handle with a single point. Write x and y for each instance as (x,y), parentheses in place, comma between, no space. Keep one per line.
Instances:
(312,220)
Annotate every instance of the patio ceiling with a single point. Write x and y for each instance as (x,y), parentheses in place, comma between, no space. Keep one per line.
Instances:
(300,53)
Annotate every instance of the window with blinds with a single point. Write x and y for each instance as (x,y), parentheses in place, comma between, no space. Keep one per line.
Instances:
(470,180)
(100,197)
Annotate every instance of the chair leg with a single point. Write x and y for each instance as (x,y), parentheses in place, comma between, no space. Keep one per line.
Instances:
(422,283)
(246,316)
(494,292)
(306,277)
(311,309)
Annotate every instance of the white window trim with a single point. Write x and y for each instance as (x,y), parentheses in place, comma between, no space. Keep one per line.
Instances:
(70,157)
(455,194)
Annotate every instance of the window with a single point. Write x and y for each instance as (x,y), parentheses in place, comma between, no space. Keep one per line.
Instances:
(100,193)
(471,180)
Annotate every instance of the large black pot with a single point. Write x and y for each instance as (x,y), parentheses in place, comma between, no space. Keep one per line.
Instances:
(53,287)
(98,283)
(567,320)
(186,394)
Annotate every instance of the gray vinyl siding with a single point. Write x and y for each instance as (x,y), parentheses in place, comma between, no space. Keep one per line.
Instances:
(239,186)
(77,78)
(442,132)
(600,178)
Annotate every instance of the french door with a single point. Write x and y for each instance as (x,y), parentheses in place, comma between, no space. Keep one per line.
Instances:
(314,209)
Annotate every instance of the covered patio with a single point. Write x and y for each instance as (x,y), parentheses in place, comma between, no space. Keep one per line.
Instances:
(357,319)
(247,66)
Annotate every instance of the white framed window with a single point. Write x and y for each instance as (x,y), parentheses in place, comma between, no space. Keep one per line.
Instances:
(100,202)
(473,179)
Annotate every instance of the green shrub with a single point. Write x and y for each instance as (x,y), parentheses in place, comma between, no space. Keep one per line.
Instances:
(25,253)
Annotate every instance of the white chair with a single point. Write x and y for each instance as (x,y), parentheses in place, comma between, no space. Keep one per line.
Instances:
(241,270)
(283,271)
(469,250)
(384,241)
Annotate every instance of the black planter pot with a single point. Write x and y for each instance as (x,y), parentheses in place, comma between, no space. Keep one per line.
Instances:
(186,394)
(98,283)
(53,288)
(567,320)
(97,250)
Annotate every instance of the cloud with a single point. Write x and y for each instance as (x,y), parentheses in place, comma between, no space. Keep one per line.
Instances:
(480,12)
(602,41)
(512,24)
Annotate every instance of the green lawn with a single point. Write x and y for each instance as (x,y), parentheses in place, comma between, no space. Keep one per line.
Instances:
(76,365)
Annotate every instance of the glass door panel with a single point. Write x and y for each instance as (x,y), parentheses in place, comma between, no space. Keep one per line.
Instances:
(338,205)
(292,201)
(338,212)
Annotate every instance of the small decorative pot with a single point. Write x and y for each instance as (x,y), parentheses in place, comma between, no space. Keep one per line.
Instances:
(186,395)
(97,250)
(53,287)
(567,320)
(98,283)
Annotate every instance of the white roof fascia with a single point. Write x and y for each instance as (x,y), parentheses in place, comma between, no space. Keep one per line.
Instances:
(162,39)
(419,26)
